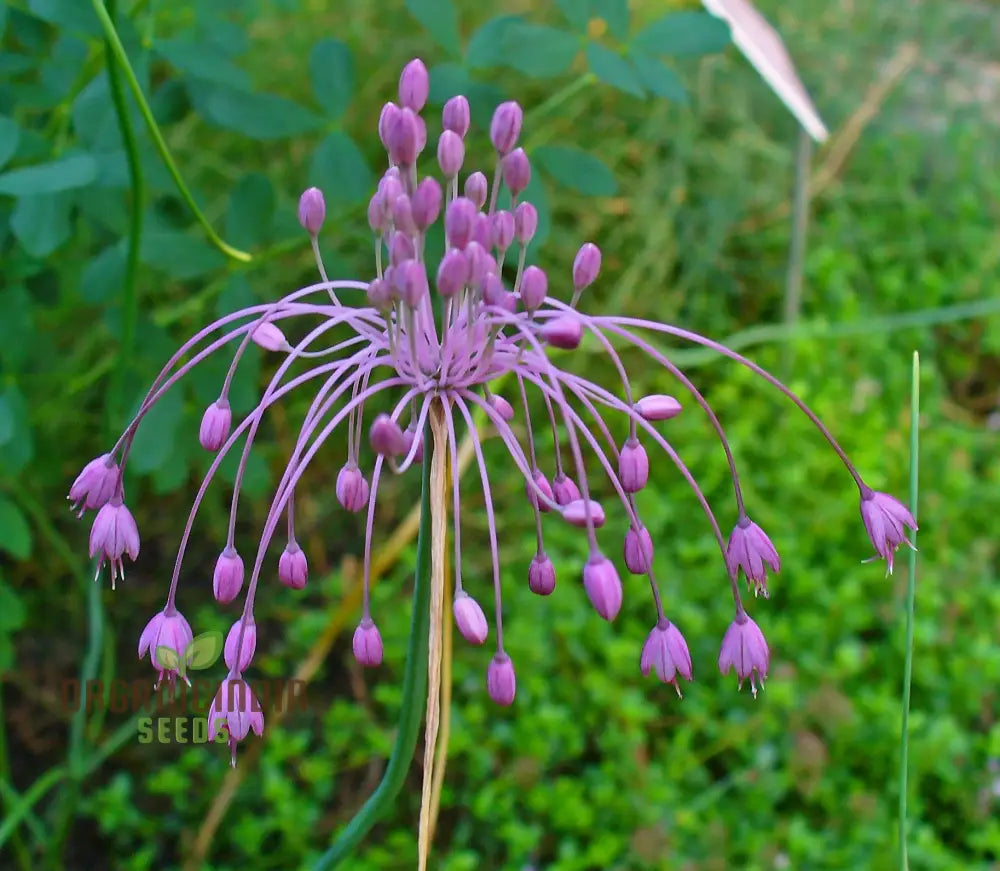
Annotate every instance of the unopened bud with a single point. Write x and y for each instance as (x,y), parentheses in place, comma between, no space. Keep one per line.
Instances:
(455,115)
(516,171)
(525,222)
(563,332)
(586,265)
(476,189)
(414,85)
(426,203)
(312,210)
(450,153)
(534,287)
(506,126)
(470,619)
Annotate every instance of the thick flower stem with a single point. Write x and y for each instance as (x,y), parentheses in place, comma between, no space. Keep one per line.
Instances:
(439,544)
(414,683)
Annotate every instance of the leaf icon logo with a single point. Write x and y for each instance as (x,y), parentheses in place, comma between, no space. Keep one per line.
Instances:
(202,652)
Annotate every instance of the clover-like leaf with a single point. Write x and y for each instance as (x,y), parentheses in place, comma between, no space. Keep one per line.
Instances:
(203,650)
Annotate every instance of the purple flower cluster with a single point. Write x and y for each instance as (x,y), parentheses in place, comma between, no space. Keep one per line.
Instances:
(437,337)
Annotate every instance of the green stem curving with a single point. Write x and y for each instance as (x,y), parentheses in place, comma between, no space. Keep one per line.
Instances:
(414,690)
(116,48)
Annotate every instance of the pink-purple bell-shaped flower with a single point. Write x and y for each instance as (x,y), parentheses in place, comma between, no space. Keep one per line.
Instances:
(95,485)
(237,710)
(367,643)
(113,535)
(169,630)
(241,643)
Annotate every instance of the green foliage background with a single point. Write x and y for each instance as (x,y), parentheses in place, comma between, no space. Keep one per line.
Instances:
(654,139)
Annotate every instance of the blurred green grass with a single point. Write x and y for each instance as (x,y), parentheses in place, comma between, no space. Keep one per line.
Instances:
(593,767)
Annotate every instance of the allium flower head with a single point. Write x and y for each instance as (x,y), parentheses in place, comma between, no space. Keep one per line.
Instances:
(426,339)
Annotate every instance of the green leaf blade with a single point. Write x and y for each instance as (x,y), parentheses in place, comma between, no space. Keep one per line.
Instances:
(539,51)
(331,72)
(63,174)
(659,79)
(440,19)
(576,169)
(612,69)
(683,34)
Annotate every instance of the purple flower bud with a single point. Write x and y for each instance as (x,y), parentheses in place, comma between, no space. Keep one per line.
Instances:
(237,710)
(745,649)
(459,221)
(95,484)
(666,652)
(401,246)
(386,437)
(367,643)
(293,567)
(410,281)
(215,424)
(586,266)
(227,581)
(575,513)
(451,153)
(269,337)
(421,134)
(542,483)
(633,466)
(426,203)
(455,115)
(565,490)
(500,680)
(509,302)
(389,189)
(402,215)
(453,273)
(479,261)
(534,287)
(469,618)
(246,648)
(380,294)
(658,406)
(409,434)
(506,126)
(750,549)
(541,575)
(482,232)
(171,631)
(638,551)
(376,214)
(352,488)
(403,137)
(494,292)
(114,534)
(525,222)
(476,188)
(603,586)
(886,520)
(563,332)
(502,230)
(312,210)
(516,171)
(414,85)
(502,406)
(385,120)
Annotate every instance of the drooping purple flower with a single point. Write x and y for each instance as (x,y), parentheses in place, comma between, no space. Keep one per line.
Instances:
(500,680)
(352,488)
(666,653)
(604,587)
(541,575)
(745,649)
(227,580)
(95,485)
(367,643)
(236,709)
(293,567)
(242,640)
(113,535)
(886,520)
(215,425)
(168,629)
(751,550)
(470,619)
(638,551)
